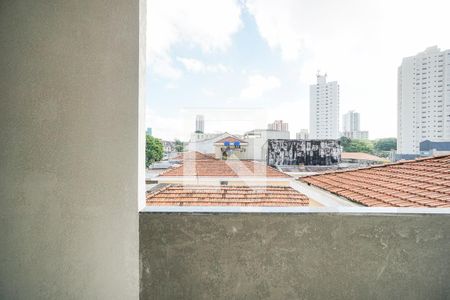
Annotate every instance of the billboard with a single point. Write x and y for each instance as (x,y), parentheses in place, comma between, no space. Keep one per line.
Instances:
(307,152)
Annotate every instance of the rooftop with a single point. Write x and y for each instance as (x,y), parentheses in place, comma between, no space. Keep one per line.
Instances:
(193,156)
(362,156)
(417,183)
(231,139)
(178,195)
(223,168)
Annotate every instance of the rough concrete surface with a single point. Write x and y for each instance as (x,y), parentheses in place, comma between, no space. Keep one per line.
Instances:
(294,256)
(68,149)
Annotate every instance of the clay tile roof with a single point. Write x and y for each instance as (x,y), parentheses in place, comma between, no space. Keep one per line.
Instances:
(362,156)
(224,168)
(193,155)
(417,183)
(178,195)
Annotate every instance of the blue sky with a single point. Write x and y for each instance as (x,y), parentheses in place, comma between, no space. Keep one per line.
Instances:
(246,63)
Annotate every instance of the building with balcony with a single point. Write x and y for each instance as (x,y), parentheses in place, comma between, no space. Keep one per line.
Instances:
(423,99)
(278,125)
(324,109)
(351,126)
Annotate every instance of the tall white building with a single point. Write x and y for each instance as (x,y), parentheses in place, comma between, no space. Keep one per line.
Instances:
(199,124)
(351,121)
(423,99)
(303,134)
(351,126)
(324,109)
(278,125)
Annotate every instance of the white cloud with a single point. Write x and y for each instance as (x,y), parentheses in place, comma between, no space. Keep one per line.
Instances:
(358,43)
(164,127)
(171,86)
(163,66)
(292,26)
(258,85)
(208,92)
(203,23)
(197,66)
(276,24)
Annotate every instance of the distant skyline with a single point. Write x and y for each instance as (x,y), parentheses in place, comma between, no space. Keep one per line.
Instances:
(262,56)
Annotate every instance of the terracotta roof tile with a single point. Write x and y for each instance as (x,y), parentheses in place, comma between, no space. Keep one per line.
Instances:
(178,195)
(193,155)
(416,183)
(362,156)
(224,168)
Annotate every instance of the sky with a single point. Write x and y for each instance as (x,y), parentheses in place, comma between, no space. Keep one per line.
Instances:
(243,64)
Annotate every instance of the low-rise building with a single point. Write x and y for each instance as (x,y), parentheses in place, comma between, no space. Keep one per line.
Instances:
(257,142)
(205,142)
(198,195)
(230,147)
(359,159)
(432,148)
(206,170)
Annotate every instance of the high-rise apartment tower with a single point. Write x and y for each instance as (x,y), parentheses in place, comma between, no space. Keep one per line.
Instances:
(423,99)
(324,109)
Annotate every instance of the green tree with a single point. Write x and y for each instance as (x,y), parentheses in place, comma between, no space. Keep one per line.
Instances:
(358,146)
(153,150)
(345,141)
(386,144)
(179,146)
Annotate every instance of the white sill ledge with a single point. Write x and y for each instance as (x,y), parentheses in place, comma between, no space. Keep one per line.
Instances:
(300,210)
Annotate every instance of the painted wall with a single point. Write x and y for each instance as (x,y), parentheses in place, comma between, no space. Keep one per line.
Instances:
(294,256)
(68,154)
(307,152)
(257,142)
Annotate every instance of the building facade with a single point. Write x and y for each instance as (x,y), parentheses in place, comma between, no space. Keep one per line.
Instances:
(423,99)
(257,142)
(199,124)
(324,109)
(278,125)
(351,126)
(356,135)
(431,148)
(351,121)
(303,134)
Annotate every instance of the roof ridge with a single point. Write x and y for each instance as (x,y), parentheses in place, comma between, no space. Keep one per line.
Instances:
(379,165)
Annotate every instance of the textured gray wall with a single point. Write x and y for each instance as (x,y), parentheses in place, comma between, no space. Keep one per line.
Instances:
(294,256)
(68,149)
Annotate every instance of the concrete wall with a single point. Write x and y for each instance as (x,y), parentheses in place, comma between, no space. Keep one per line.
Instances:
(294,256)
(68,149)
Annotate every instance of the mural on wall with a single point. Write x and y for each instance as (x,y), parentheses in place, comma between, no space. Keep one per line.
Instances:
(306,152)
